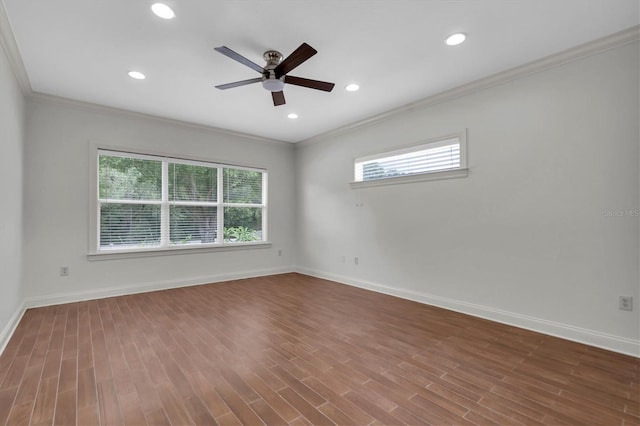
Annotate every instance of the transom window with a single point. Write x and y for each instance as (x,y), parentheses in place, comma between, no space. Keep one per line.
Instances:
(150,202)
(430,160)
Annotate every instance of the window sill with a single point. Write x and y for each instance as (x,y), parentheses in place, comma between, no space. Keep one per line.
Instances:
(422,177)
(128,254)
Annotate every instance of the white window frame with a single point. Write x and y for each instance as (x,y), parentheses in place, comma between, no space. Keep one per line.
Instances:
(453,173)
(95,252)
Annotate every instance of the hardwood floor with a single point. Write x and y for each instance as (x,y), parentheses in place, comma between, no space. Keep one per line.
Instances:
(291,349)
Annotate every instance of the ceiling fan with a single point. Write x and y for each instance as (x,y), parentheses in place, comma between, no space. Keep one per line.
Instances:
(274,73)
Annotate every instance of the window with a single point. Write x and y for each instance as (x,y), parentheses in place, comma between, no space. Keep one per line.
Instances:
(437,159)
(150,202)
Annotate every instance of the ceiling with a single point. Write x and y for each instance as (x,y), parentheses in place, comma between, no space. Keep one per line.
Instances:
(394,49)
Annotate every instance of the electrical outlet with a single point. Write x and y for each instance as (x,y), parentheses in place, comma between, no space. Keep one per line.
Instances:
(279,252)
(64,271)
(356,261)
(625,303)
(343,259)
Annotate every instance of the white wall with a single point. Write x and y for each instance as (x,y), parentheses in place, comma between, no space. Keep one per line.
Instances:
(57,207)
(11,142)
(526,238)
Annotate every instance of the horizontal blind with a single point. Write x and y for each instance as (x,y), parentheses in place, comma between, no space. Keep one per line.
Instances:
(422,160)
(242,186)
(188,182)
(193,224)
(125,225)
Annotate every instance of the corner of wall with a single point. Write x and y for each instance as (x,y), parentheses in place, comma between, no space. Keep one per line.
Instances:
(10,328)
(13,123)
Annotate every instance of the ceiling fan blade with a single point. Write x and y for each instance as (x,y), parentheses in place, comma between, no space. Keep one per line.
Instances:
(301,54)
(278,98)
(238,83)
(306,82)
(238,57)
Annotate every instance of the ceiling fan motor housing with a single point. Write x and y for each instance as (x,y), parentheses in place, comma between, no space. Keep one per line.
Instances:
(269,79)
(272,58)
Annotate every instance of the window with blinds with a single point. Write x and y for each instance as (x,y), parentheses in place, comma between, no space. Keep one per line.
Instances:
(193,208)
(147,202)
(446,154)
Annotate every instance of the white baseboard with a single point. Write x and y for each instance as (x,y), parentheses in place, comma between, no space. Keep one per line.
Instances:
(589,337)
(10,328)
(79,296)
(581,335)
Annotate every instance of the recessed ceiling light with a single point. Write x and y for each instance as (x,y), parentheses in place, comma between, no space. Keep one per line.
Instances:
(293,116)
(137,75)
(455,39)
(351,87)
(163,11)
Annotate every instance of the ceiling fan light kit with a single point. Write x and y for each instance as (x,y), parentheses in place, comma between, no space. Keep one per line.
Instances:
(274,73)
(273,84)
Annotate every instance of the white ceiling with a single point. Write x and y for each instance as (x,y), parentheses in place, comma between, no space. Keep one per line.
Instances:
(83,49)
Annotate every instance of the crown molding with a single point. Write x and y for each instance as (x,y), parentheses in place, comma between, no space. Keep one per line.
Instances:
(44,98)
(10,47)
(612,41)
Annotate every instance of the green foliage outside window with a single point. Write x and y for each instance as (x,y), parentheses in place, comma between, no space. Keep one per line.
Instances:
(130,178)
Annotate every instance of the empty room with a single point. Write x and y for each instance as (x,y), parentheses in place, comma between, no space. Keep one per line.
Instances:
(349,212)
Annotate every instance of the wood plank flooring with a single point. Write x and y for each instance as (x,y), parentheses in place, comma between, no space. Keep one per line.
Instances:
(291,349)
